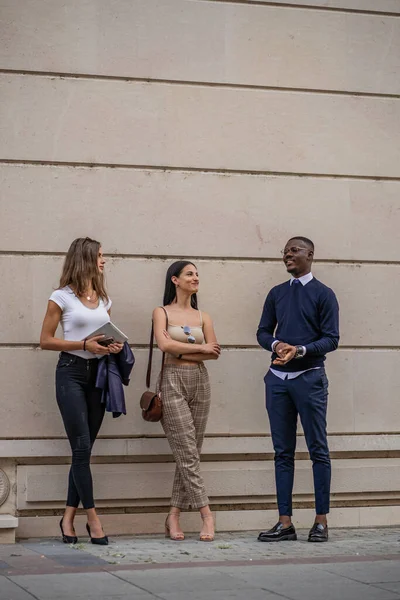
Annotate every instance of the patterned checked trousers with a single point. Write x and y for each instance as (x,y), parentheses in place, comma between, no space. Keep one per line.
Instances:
(185,395)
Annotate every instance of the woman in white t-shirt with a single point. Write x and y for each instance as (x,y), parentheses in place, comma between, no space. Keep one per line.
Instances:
(81,304)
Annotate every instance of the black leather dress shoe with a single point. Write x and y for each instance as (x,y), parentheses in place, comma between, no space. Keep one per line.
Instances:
(278,533)
(318,533)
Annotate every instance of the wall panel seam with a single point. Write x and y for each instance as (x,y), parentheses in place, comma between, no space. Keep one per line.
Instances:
(104,458)
(230,347)
(184,82)
(291,5)
(206,170)
(223,436)
(226,259)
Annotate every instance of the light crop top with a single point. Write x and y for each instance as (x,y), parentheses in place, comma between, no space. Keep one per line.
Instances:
(77,320)
(176,332)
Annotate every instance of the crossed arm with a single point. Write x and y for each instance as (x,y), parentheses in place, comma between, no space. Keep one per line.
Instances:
(191,352)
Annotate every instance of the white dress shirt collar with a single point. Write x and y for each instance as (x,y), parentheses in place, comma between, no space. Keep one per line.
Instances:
(304,279)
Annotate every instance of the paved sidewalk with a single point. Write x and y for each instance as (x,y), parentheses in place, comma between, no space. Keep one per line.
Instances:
(357,564)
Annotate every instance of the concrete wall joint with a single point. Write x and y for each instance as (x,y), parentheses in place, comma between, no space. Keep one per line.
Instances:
(187,82)
(205,170)
(227,259)
(294,5)
(229,347)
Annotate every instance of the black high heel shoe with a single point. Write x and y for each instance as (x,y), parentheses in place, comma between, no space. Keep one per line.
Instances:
(103,541)
(67,539)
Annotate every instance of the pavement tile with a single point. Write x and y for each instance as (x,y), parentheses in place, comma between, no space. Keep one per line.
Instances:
(7,550)
(78,559)
(394,586)
(367,572)
(134,596)
(186,580)
(77,585)
(4,565)
(10,591)
(247,594)
(297,582)
(50,548)
(63,554)
(30,562)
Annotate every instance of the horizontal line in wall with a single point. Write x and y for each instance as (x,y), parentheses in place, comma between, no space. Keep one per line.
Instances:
(133,505)
(209,84)
(167,168)
(342,503)
(375,13)
(208,436)
(238,347)
(168,257)
(206,457)
(165,257)
(251,502)
(215,506)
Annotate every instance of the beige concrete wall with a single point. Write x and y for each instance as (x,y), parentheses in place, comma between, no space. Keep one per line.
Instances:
(219,42)
(112,122)
(259,210)
(360,401)
(211,130)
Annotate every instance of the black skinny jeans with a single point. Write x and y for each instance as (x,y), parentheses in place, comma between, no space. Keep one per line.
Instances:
(82,412)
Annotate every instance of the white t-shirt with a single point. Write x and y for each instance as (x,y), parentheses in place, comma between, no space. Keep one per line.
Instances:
(77,320)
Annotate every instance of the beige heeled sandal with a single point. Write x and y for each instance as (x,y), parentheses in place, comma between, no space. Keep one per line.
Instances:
(207,537)
(178,537)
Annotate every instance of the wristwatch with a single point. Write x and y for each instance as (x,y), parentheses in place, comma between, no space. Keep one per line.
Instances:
(300,352)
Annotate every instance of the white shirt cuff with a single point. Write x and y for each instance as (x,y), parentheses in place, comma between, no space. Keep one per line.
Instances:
(274,343)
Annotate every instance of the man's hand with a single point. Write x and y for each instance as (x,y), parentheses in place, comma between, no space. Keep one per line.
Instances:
(285,353)
(281,348)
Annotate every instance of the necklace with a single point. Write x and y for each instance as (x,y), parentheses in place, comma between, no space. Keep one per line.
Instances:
(90,298)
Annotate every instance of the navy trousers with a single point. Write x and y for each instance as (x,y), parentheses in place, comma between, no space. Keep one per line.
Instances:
(307,396)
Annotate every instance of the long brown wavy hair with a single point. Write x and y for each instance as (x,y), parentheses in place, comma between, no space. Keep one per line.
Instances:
(80,268)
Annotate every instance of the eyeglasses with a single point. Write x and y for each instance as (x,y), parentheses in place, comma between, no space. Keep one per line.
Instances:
(292,250)
(187,331)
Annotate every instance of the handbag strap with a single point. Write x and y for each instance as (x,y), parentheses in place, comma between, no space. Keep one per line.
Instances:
(148,374)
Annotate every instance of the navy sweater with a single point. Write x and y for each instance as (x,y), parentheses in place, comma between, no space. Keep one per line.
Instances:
(309,319)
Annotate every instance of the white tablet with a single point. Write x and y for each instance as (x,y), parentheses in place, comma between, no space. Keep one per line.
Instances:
(111,332)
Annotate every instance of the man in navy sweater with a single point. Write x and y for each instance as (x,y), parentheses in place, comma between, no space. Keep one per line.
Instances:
(299,325)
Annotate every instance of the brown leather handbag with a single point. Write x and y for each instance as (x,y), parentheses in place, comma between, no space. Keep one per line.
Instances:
(150,402)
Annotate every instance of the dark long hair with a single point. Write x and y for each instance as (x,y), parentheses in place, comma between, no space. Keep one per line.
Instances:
(80,268)
(170,290)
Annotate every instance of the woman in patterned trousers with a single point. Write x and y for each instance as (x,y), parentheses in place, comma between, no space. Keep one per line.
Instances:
(188,340)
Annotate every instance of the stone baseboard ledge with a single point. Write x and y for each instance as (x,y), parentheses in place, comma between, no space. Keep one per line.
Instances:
(8,525)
